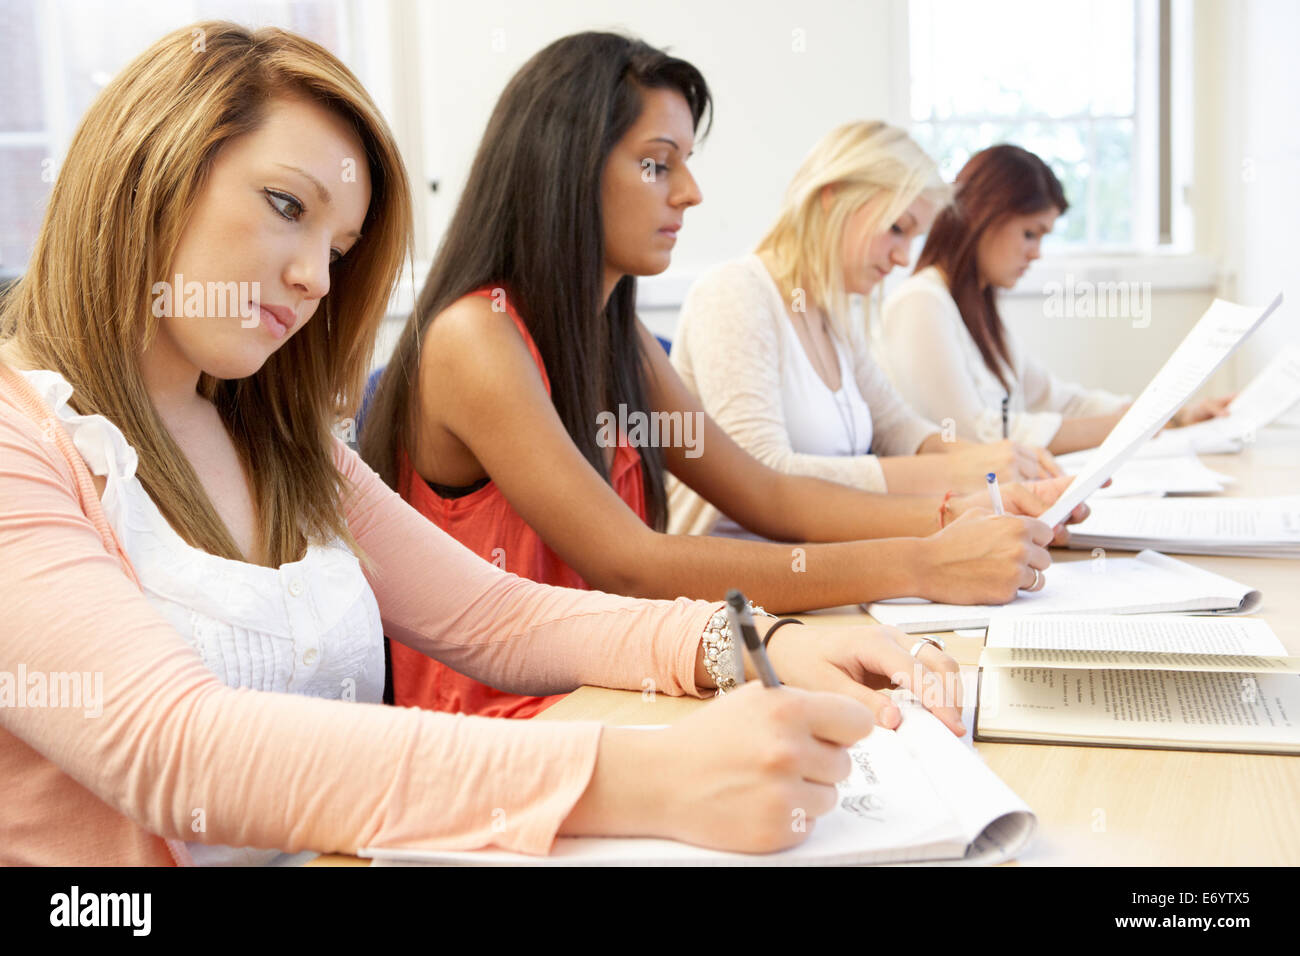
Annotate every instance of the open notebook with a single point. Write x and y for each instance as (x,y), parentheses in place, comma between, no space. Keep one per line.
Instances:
(1147,584)
(916,795)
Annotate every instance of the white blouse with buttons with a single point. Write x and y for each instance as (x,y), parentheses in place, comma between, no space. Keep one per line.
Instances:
(307,627)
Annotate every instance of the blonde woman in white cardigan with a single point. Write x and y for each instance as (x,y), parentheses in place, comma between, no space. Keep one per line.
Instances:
(772,347)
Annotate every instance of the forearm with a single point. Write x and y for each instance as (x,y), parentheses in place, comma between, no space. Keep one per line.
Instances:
(779,577)
(808,509)
(1076,434)
(924,474)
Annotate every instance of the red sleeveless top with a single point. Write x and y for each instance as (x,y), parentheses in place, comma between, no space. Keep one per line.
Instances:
(486,523)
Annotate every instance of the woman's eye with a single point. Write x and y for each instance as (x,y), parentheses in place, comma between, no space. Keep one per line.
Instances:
(283,203)
(896,229)
(335,256)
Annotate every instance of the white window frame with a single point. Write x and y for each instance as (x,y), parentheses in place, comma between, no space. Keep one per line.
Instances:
(1171,266)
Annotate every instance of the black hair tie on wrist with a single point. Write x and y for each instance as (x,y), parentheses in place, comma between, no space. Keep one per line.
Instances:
(773,629)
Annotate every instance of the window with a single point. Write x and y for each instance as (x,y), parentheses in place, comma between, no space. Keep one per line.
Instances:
(1078,83)
(55,58)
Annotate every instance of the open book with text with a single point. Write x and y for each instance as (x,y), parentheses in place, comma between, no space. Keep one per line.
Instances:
(1165,682)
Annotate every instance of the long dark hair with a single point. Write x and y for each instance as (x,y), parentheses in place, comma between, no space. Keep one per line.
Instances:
(529,221)
(995,183)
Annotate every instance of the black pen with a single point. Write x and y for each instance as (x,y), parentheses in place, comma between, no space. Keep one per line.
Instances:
(741,623)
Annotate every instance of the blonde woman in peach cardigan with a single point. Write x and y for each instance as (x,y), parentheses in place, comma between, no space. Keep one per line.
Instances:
(179,528)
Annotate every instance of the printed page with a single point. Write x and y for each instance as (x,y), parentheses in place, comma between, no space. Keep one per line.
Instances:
(1249,521)
(1215,336)
(1173,443)
(1155,633)
(1136,706)
(1150,582)
(1270,394)
(1144,642)
(1176,475)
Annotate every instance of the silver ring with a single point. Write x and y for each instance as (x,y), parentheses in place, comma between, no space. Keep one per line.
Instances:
(937,642)
(1037,577)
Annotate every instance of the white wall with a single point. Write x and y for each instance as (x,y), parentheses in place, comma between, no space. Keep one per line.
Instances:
(773,102)
(1249,211)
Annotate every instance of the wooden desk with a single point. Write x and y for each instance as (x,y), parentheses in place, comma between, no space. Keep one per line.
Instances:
(1110,806)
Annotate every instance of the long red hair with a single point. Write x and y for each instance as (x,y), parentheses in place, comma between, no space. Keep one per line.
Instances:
(995,184)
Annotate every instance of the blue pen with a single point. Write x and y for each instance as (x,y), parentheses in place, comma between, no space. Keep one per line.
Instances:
(995,495)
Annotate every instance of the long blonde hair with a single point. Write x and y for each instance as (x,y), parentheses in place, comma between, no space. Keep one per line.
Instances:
(123,196)
(861,162)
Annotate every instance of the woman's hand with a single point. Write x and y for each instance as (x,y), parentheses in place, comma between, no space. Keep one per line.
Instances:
(859,661)
(982,558)
(1203,410)
(1030,499)
(750,772)
(968,463)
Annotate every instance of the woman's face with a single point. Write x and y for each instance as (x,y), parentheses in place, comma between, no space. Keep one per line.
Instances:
(868,256)
(1005,251)
(279,206)
(646,188)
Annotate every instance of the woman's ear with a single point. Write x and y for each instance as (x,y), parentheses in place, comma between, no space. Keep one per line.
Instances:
(827,194)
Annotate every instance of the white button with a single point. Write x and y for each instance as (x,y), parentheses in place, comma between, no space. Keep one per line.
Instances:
(295,587)
(310,656)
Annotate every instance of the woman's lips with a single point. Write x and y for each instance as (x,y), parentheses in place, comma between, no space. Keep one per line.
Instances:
(277,320)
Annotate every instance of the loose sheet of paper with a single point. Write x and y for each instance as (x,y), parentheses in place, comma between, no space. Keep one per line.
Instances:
(1175,475)
(1146,642)
(1168,633)
(1247,521)
(1215,336)
(1270,394)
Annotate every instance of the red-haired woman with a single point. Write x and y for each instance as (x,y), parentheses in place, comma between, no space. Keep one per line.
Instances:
(946,348)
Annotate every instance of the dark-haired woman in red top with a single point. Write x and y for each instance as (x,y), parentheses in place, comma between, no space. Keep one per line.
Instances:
(580,185)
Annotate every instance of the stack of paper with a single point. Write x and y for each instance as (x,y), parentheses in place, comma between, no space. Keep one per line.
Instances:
(916,794)
(1248,527)
(1147,584)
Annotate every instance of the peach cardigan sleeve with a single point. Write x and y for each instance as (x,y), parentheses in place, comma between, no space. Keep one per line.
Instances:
(173,745)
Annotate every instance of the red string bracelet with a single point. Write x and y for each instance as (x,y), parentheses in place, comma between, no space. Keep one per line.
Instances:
(944,507)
